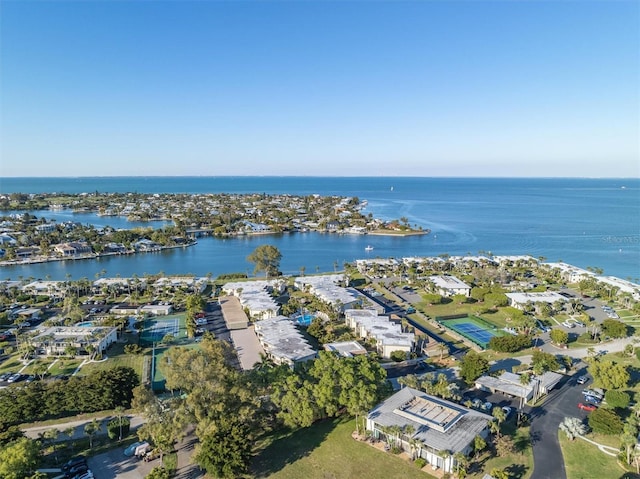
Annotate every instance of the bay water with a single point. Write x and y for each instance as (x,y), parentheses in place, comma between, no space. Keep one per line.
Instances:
(584,222)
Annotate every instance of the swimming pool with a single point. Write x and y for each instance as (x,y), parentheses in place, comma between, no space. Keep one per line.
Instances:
(86,324)
(303,319)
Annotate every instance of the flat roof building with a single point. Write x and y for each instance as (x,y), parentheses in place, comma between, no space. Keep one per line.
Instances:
(437,424)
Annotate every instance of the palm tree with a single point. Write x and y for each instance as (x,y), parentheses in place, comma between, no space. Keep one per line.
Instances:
(91,429)
(51,435)
(119,410)
(70,431)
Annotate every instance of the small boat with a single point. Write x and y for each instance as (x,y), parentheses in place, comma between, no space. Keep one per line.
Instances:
(369,248)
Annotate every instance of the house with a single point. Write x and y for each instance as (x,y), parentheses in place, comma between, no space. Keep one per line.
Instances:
(428,427)
(57,339)
(347,349)
(447,285)
(125,310)
(385,334)
(157,309)
(511,385)
(520,300)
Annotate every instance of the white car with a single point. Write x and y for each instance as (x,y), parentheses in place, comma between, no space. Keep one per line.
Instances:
(507,410)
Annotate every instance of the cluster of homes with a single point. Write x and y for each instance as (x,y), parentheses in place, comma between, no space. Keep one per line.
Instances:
(281,340)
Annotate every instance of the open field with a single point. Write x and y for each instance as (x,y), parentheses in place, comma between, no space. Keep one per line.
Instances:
(327,450)
(583,460)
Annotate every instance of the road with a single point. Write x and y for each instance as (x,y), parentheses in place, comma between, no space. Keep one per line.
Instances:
(78,426)
(560,403)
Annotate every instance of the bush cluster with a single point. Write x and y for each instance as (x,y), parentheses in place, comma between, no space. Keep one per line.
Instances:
(510,344)
(40,400)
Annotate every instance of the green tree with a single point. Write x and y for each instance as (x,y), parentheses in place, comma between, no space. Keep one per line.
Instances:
(225,451)
(614,328)
(542,362)
(559,336)
(605,421)
(19,458)
(266,258)
(609,374)
(617,399)
(472,366)
(91,429)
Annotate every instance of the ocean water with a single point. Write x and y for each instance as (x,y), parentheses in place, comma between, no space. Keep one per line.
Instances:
(585,222)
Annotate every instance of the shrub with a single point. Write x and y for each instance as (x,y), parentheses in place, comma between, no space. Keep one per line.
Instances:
(398,355)
(617,399)
(113,427)
(420,462)
(510,344)
(605,421)
(133,349)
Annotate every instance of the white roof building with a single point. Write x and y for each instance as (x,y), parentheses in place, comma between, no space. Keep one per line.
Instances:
(327,288)
(255,296)
(388,335)
(518,300)
(283,341)
(450,285)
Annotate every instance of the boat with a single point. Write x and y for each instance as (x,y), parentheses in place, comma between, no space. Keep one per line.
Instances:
(368,248)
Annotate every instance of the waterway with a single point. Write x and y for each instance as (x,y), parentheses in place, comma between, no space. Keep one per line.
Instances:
(585,222)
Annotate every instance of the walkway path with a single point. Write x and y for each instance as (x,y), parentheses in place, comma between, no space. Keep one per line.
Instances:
(611,451)
(78,426)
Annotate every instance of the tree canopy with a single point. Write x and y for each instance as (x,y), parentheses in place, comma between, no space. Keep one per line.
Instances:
(609,374)
(472,366)
(266,258)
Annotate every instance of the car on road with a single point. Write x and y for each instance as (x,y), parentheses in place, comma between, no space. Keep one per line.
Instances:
(587,407)
(582,379)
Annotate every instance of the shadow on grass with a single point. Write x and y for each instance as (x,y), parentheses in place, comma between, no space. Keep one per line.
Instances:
(287,447)
(516,471)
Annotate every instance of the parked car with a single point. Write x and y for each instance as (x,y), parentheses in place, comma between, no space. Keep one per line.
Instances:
(507,411)
(582,379)
(476,403)
(74,461)
(129,451)
(487,406)
(587,407)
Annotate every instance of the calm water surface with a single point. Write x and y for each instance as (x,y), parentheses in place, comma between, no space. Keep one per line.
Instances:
(586,222)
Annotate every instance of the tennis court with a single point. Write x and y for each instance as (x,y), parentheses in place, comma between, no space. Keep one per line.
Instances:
(157,328)
(473,328)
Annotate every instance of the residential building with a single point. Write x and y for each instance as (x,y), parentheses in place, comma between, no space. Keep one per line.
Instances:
(447,285)
(428,427)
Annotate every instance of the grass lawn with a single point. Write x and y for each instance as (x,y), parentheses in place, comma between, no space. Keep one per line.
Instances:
(116,357)
(11,364)
(583,460)
(326,450)
(64,366)
(518,465)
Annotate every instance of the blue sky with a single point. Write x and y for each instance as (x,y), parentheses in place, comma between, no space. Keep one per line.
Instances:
(432,88)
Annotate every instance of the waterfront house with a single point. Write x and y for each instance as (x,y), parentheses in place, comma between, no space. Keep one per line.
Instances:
(428,427)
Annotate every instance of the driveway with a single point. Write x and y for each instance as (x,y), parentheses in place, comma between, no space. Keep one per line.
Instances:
(115,465)
(561,402)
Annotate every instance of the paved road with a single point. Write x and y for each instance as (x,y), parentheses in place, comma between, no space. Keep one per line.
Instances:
(34,432)
(561,403)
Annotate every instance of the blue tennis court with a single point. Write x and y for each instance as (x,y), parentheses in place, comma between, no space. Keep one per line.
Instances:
(473,328)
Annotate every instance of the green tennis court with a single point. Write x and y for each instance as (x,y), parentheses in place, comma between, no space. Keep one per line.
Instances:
(158,327)
(473,328)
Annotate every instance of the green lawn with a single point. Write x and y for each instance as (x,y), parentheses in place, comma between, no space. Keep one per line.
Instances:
(583,460)
(518,465)
(326,450)
(116,357)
